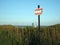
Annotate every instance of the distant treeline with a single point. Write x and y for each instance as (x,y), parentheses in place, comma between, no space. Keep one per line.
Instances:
(14,35)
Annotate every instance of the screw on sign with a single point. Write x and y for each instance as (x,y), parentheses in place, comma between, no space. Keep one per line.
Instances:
(38,11)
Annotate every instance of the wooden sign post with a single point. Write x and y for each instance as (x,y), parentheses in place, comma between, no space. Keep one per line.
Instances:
(38,12)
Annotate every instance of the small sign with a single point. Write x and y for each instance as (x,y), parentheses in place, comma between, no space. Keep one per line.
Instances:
(38,11)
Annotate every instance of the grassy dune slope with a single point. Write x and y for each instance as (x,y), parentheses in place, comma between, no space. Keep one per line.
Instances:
(13,35)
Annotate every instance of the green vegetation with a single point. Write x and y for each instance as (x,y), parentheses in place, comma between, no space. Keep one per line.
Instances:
(12,35)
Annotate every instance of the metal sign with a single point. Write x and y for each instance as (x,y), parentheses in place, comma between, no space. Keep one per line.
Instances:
(38,11)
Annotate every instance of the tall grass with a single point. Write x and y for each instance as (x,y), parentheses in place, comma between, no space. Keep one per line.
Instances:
(11,35)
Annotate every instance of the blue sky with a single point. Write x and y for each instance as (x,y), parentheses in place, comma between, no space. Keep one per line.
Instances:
(21,12)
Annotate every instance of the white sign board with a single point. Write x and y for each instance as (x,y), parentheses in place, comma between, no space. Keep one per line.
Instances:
(38,11)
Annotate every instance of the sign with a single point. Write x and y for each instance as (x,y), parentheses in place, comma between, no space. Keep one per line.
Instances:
(38,11)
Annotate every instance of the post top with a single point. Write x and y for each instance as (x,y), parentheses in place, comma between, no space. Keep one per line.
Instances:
(38,6)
